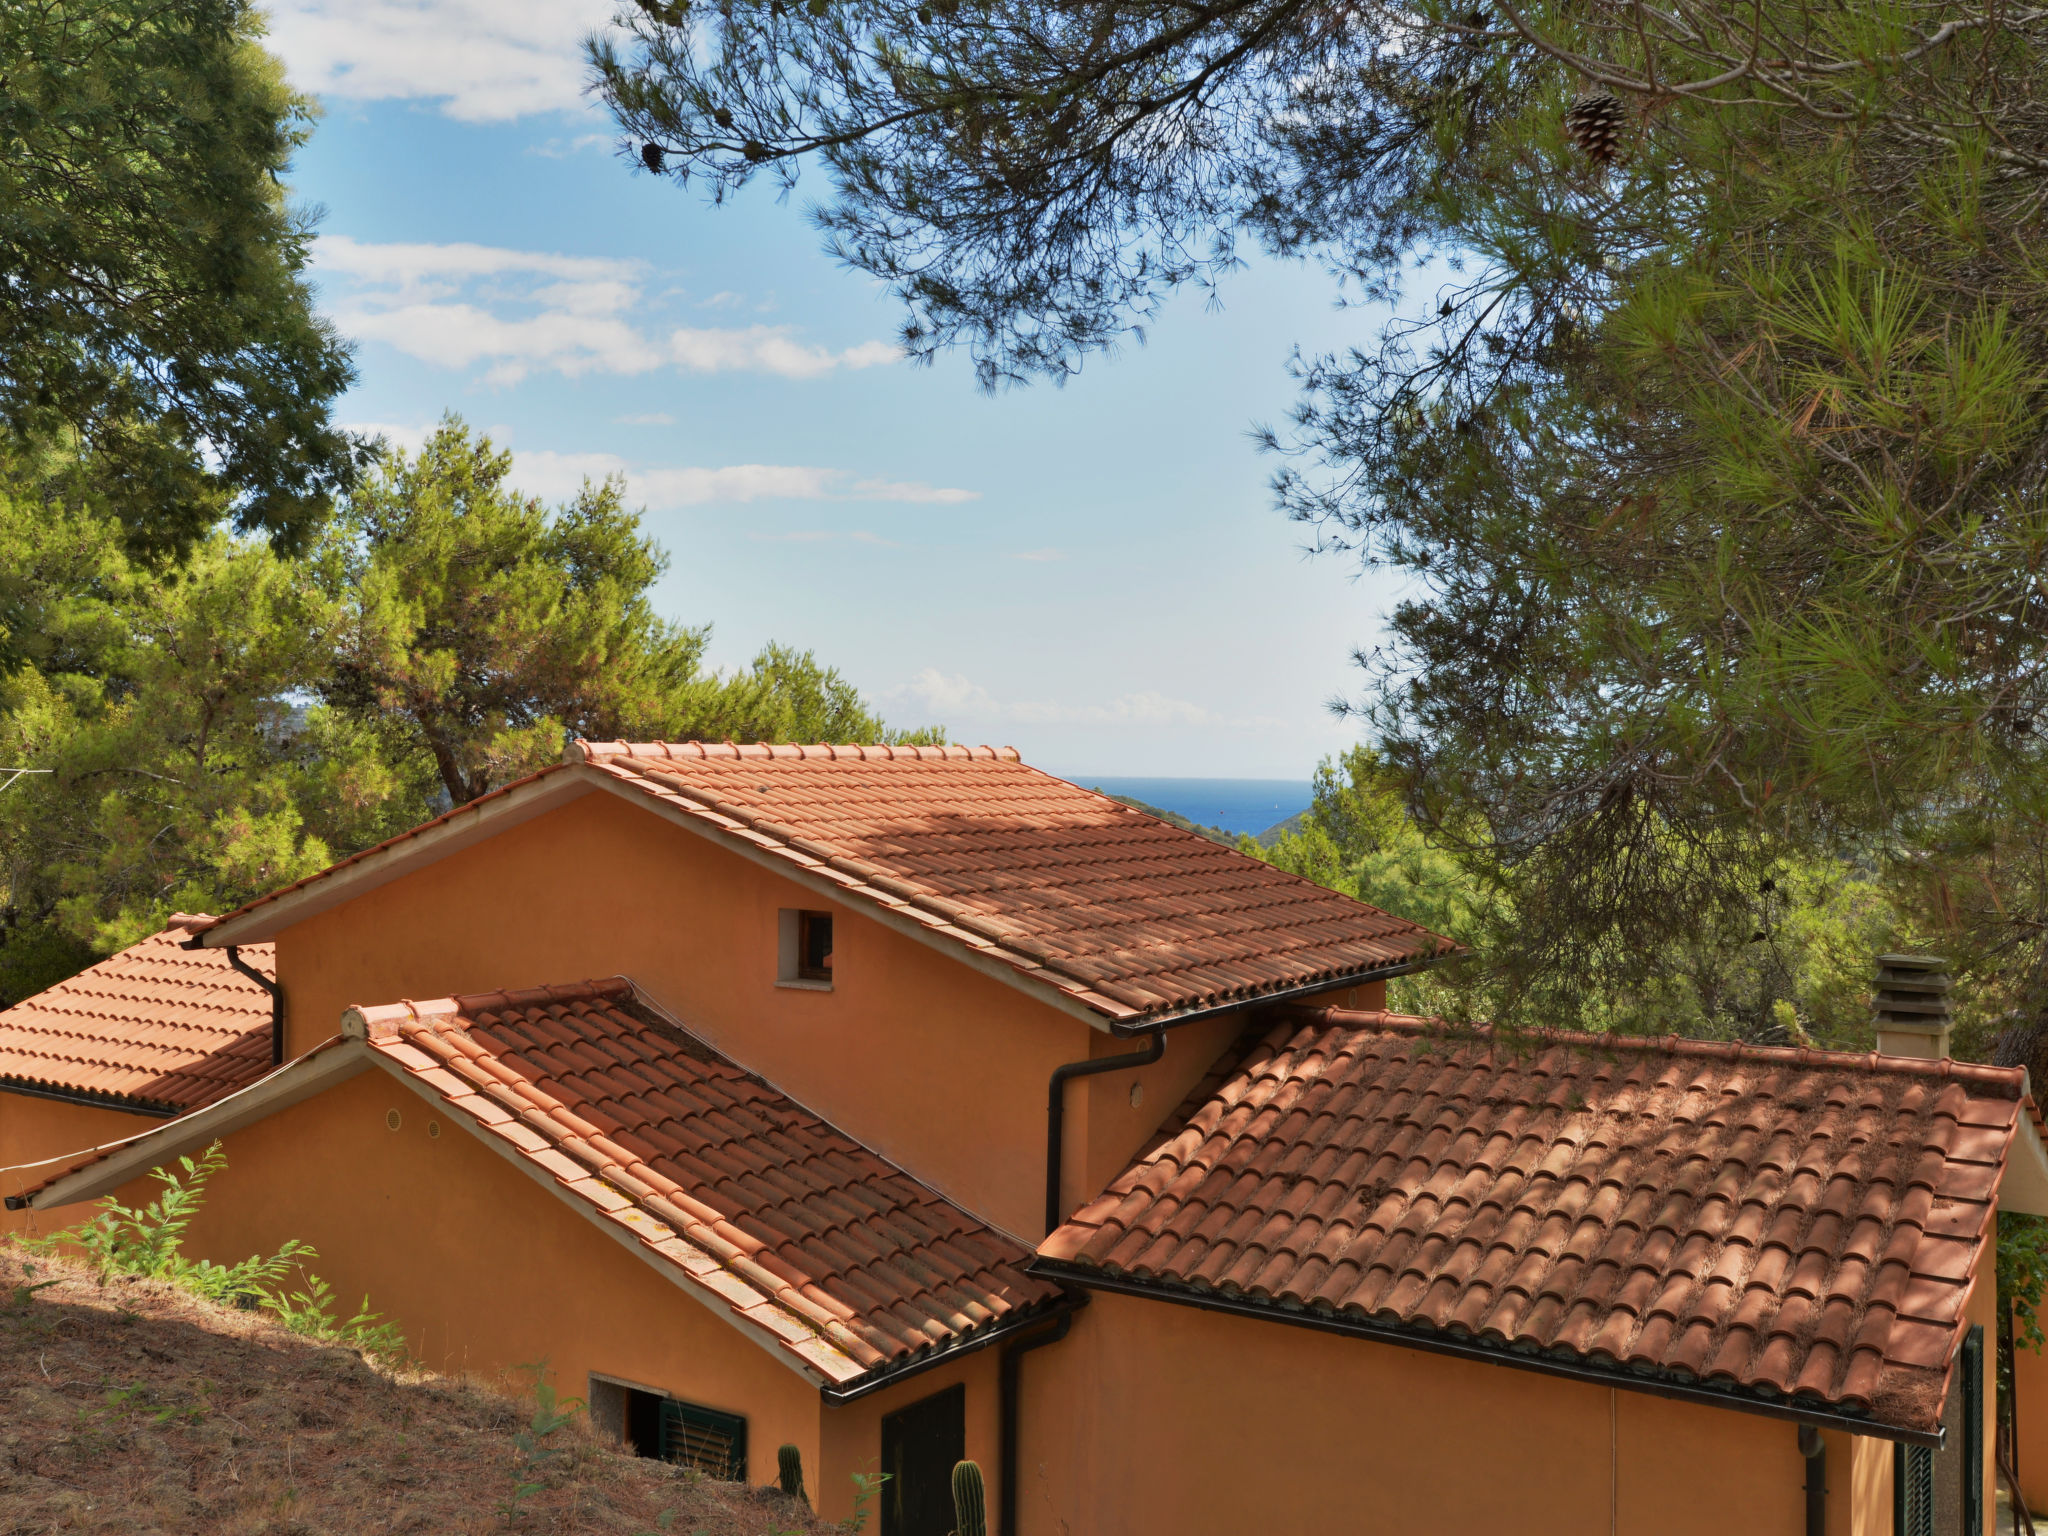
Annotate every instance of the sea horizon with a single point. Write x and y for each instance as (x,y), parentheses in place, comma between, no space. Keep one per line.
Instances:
(1234,805)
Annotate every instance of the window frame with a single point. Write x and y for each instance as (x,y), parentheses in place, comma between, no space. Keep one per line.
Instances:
(794,926)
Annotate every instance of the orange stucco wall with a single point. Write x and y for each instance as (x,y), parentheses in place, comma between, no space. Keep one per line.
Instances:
(484,1266)
(486,1270)
(937,1066)
(33,1130)
(1157,1418)
(2030,1382)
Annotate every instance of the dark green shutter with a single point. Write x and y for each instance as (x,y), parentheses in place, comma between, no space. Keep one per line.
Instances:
(1912,1491)
(714,1443)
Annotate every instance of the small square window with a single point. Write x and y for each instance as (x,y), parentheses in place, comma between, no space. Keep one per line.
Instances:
(804,950)
(814,946)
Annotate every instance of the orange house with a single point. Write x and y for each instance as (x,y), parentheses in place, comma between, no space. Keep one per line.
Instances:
(147,1034)
(904,1104)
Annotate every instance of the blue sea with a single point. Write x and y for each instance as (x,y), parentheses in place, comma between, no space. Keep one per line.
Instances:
(1235,805)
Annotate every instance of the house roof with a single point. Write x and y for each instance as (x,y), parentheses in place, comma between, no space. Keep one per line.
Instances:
(840,1259)
(157,1027)
(1790,1226)
(1119,910)
(1113,913)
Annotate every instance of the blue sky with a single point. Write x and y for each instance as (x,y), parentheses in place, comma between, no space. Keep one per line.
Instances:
(1093,573)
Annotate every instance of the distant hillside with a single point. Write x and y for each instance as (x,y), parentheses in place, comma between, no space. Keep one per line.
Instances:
(1280,829)
(135,1407)
(1174,819)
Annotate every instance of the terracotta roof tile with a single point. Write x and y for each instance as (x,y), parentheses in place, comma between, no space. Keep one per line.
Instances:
(1126,914)
(849,1262)
(156,1026)
(1776,1222)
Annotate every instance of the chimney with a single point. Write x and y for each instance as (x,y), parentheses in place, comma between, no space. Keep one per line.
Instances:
(1910,1011)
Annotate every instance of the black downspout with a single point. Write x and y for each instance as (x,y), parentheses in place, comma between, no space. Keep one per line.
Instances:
(276,1001)
(1010,1378)
(1056,1110)
(1815,1450)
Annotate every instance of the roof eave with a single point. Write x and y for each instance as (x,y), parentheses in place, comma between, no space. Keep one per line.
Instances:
(1151,1023)
(1429,1341)
(33,1088)
(2023,1183)
(890,1372)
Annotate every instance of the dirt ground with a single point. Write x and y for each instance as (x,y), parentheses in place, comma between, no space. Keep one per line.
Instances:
(136,1408)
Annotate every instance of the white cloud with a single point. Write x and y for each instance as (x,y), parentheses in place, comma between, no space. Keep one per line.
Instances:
(954,697)
(512,313)
(483,60)
(557,476)
(769,349)
(412,267)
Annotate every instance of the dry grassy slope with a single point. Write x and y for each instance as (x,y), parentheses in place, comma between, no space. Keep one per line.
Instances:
(136,1408)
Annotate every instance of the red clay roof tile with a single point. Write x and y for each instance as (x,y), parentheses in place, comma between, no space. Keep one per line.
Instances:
(156,1026)
(1125,915)
(1131,916)
(1696,1211)
(849,1262)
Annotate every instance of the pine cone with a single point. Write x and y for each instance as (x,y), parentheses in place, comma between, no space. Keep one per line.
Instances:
(1593,122)
(651,157)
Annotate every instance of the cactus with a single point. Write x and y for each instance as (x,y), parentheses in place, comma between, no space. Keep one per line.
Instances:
(789,1466)
(970,1508)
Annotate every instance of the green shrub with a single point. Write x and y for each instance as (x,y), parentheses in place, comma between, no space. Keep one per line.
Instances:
(150,1243)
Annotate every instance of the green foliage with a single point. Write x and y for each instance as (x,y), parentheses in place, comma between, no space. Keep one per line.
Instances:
(189,770)
(311,1312)
(866,1487)
(970,1506)
(1713,470)
(551,1415)
(157,314)
(1791,964)
(2023,1274)
(25,1293)
(482,628)
(149,1242)
(206,731)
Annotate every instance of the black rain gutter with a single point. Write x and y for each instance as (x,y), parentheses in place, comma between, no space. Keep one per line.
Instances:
(234,954)
(1010,1382)
(1154,1035)
(1435,1343)
(92,1100)
(888,1375)
(1283,995)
